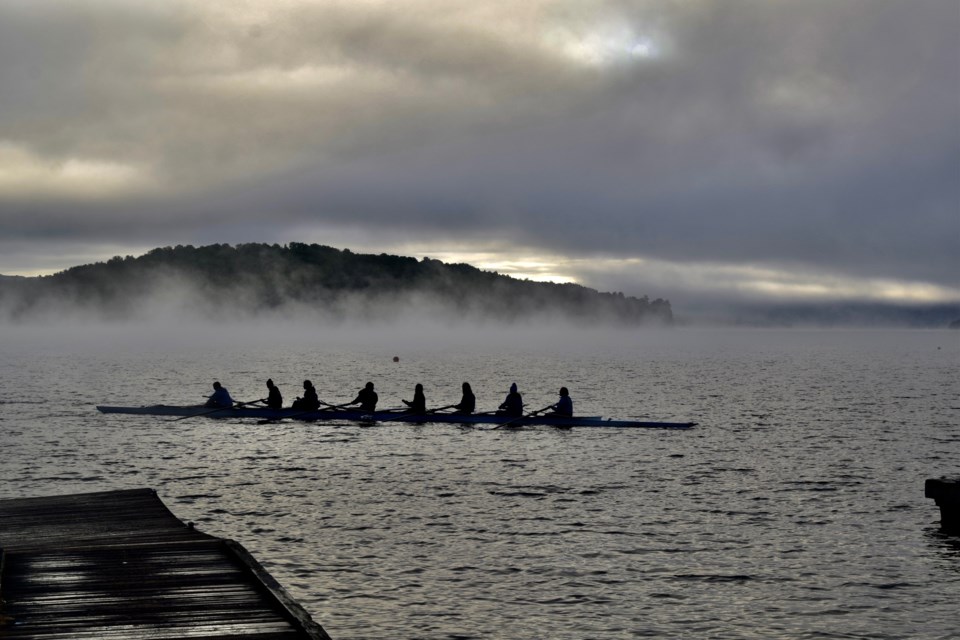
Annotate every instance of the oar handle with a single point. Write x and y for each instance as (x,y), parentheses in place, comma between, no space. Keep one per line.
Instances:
(213,410)
(549,406)
(293,415)
(449,406)
(414,414)
(526,415)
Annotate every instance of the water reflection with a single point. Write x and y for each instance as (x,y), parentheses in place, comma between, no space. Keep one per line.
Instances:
(947,544)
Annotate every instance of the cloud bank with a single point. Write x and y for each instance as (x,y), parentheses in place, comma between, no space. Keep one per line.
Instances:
(757,147)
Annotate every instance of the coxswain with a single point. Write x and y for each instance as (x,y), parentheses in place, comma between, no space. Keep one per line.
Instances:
(274,399)
(367,398)
(419,402)
(309,401)
(468,403)
(564,407)
(513,405)
(220,397)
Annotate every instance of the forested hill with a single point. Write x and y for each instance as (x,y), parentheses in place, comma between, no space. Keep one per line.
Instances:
(259,280)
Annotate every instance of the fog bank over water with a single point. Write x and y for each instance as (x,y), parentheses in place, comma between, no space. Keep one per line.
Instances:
(181,304)
(173,305)
(183,310)
(821,314)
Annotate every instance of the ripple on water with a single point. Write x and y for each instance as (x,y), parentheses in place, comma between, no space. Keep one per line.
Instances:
(794,511)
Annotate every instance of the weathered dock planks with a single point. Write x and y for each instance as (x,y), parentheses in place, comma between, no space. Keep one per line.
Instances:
(119,565)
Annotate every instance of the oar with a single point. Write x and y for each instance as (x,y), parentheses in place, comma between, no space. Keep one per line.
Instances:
(516,420)
(206,413)
(329,407)
(348,407)
(449,406)
(414,414)
(401,416)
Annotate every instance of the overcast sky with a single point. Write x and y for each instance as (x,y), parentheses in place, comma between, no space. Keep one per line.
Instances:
(687,149)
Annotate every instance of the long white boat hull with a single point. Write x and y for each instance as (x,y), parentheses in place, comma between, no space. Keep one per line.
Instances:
(355,415)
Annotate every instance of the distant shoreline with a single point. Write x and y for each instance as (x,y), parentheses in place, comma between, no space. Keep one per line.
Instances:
(224,282)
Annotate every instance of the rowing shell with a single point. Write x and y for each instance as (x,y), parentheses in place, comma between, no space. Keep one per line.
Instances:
(356,415)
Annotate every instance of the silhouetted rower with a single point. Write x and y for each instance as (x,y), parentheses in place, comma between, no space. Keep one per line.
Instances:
(564,407)
(419,403)
(367,398)
(220,397)
(309,401)
(274,399)
(513,405)
(468,403)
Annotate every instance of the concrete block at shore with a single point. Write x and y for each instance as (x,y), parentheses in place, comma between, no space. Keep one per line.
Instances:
(946,493)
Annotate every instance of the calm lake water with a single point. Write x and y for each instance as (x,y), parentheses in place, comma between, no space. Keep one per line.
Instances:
(795,509)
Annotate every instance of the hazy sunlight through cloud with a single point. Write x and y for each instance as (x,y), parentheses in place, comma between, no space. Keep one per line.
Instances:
(605,46)
(635,276)
(23,172)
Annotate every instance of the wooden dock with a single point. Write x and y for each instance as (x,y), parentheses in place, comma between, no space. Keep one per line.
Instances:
(119,565)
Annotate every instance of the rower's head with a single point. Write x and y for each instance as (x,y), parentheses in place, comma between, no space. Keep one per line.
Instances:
(216,385)
(307,384)
(513,388)
(368,386)
(466,387)
(564,392)
(269,383)
(419,387)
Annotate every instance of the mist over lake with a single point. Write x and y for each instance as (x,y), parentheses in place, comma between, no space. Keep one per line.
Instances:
(794,510)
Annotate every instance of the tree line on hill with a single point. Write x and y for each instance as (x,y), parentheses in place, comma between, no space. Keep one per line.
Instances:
(223,281)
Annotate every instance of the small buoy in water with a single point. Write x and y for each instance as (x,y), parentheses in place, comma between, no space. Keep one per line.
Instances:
(396,359)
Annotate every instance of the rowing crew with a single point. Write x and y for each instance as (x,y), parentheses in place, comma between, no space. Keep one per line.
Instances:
(367,398)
